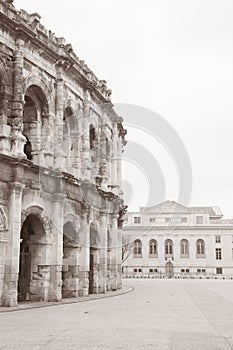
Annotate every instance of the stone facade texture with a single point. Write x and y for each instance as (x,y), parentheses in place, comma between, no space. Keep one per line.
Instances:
(61,142)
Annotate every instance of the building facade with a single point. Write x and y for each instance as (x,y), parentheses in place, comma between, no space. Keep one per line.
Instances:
(61,143)
(170,240)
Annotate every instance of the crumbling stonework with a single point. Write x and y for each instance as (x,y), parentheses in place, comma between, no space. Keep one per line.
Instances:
(61,142)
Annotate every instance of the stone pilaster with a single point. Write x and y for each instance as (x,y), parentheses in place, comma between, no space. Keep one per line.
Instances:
(114,251)
(84,255)
(57,248)
(119,257)
(10,294)
(17,138)
(114,159)
(59,156)
(86,165)
(103,253)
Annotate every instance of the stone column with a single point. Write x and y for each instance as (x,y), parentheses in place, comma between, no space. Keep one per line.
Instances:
(86,166)
(10,293)
(18,103)
(84,255)
(119,256)
(57,247)
(114,252)
(103,253)
(59,161)
(114,161)
(119,164)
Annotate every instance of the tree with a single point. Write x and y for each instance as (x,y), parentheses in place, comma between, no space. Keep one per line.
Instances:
(127,247)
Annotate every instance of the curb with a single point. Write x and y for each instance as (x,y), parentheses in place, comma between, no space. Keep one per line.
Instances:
(38,305)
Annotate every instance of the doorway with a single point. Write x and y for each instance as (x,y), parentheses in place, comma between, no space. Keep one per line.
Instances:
(169,270)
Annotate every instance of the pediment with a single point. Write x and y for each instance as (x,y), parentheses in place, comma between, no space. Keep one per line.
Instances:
(167,207)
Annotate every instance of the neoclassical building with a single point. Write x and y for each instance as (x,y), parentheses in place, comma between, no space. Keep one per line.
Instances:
(170,240)
(61,143)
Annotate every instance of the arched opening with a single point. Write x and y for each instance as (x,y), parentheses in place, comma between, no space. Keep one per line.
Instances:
(70,268)
(33,279)
(94,259)
(153,248)
(168,248)
(200,247)
(184,248)
(137,249)
(35,108)
(92,136)
(169,271)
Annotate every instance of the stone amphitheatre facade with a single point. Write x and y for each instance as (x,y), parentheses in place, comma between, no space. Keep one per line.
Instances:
(61,143)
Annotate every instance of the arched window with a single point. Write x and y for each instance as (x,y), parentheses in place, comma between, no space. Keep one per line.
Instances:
(200,244)
(184,248)
(168,248)
(92,136)
(153,248)
(137,250)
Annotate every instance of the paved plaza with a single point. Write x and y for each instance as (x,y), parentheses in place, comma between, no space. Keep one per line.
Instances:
(157,314)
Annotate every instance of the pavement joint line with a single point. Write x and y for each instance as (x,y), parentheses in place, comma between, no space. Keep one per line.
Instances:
(39,305)
(207,318)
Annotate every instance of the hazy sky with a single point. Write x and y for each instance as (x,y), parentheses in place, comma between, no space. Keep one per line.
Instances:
(174,57)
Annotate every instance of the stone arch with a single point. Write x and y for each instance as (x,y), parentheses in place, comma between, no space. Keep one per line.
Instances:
(75,223)
(39,213)
(35,115)
(37,80)
(3,220)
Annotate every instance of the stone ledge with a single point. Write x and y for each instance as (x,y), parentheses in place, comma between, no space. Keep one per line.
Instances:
(36,305)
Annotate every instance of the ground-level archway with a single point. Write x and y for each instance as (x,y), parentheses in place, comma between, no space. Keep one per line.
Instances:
(169,269)
(94,265)
(70,265)
(34,271)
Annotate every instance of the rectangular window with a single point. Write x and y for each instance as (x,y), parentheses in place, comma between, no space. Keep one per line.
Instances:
(152,219)
(184,220)
(218,239)
(218,270)
(182,270)
(168,219)
(199,219)
(198,270)
(218,253)
(187,270)
(155,270)
(139,270)
(137,220)
(135,270)
(203,270)
(151,270)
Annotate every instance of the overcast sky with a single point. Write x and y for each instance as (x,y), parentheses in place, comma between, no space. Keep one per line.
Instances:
(174,57)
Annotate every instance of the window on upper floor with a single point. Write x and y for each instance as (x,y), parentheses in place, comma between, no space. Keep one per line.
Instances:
(218,239)
(199,219)
(200,247)
(137,219)
(168,219)
(184,220)
(153,248)
(184,248)
(218,253)
(137,249)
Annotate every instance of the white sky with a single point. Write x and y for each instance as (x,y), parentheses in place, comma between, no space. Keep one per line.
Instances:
(174,57)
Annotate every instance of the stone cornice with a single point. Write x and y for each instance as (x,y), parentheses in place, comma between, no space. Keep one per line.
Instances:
(176,228)
(28,26)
